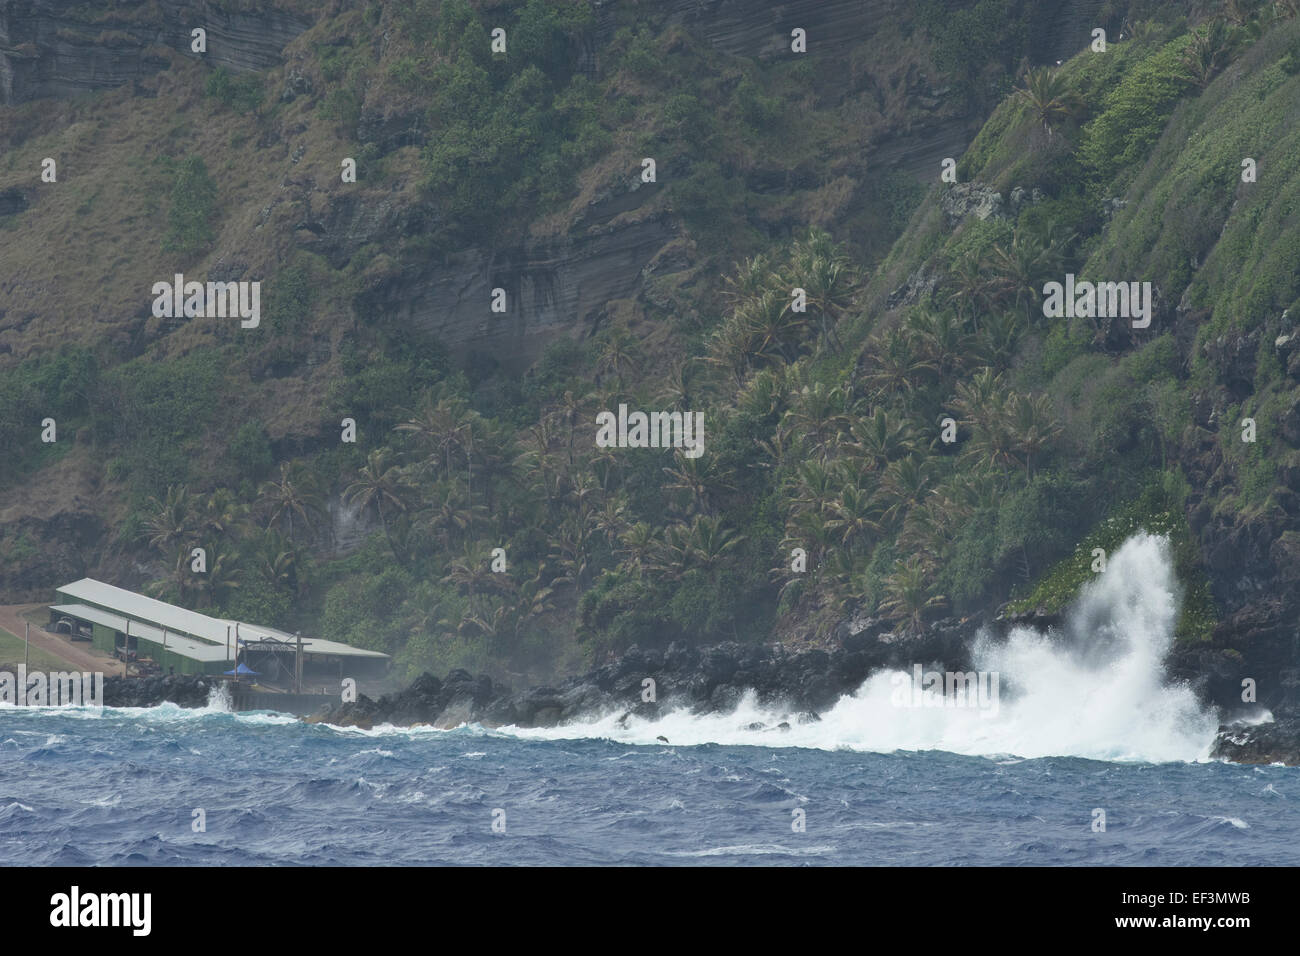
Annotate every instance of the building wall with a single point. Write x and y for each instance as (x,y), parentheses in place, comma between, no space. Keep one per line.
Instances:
(168,658)
(103,638)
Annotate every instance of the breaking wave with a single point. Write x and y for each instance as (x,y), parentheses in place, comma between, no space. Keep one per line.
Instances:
(1095,689)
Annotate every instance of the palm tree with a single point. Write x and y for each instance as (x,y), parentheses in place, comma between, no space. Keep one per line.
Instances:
(438,428)
(671,556)
(894,368)
(611,520)
(812,532)
(222,575)
(820,268)
(488,622)
(854,516)
(778,328)
(1031,426)
(535,599)
(448,516)
(539,461)
(1018,268)
(379,484)
(818,414)
(570,410)
(709,542)
(176,585)
(699,478)
(571,546)
(815,485)
(495,453)
(940,341)
(879,439)
(170,521)
(220,512)
(681,392)
(752,278)
(1209,50)
(998,341)
(909,596)
(276,560)
(423,610)
(1050,100)
(620,352)
(640,543)
(730,346)
(929,528)
(294,492)
(905,484)
(969,289)
(471,572)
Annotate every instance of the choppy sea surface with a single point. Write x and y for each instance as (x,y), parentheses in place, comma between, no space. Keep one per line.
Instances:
(1084,728)
(121,789)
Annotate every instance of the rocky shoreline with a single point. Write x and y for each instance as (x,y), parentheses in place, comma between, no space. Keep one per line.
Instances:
(705,680)
(798,685)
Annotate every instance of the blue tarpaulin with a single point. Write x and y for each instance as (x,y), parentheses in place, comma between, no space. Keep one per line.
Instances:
(241,670)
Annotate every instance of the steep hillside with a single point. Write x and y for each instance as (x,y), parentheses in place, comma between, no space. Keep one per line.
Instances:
(920,441)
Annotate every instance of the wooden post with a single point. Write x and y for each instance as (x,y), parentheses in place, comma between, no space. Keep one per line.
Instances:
(27,648)
(297,665)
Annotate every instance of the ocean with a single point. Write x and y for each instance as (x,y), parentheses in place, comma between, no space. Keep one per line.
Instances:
(1083,756)
(122,788)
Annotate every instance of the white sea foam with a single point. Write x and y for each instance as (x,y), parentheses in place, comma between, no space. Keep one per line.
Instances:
(1095,690)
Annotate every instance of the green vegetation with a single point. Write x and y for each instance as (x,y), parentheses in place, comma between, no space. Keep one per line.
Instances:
(193,207)
(908,449)
(58,386)
(243,94)
(1158,510)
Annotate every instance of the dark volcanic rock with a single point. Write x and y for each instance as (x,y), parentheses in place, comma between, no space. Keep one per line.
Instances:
(1274,742)
(62,48)
(152,691)
(705,680)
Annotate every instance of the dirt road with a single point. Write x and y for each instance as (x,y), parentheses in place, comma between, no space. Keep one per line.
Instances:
(79,656)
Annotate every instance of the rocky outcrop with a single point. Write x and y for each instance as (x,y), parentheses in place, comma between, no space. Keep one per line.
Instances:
(705,680)
(1277,741)
(57,550)
(962,200)
(553,287)
(62,47)
(152,691)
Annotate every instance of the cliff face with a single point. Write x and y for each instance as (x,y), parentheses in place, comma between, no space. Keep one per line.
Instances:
(553,287)
(557,284)
(62,48)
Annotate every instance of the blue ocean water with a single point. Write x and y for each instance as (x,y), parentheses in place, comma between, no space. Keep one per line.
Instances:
(1072,721)
(120,787)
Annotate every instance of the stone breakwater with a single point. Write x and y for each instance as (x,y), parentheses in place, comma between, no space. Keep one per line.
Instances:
(152,691)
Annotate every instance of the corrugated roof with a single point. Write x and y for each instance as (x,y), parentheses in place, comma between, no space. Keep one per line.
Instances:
(180,621)
(185,646)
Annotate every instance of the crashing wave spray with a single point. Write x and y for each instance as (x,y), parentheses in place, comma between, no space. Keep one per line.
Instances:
(1097,690)
(219,700)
